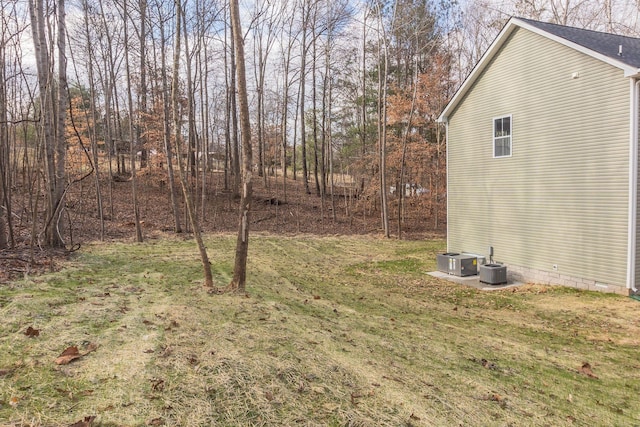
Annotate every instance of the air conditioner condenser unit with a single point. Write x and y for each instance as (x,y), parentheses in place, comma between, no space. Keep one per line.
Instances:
(493,274)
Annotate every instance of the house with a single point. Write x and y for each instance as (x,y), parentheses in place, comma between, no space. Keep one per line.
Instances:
(542,157)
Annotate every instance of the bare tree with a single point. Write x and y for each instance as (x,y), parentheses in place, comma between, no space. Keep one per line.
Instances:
(287,42)
(266,23)
(4,133)
(314,110)
(132,132)
(142,93)
(94,120)
(306,13)
(53,114)
(208,277)
(107,78)
(238,283)
(166,134)
(383,71)
(233,115)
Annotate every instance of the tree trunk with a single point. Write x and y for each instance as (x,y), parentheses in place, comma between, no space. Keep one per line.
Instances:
(61,115)
(94,119)
(142,106)
(405,136)
(132,133)
(208,277)
(191,146)
(238,283)
(177,227)
(46,131)
(363,106)
(285,102)
(227,116)
(329,135)
(283,124)
(303,62)
(204,119)
(383,70)
(314,101)
(237,178)
(4,150)
(259,77)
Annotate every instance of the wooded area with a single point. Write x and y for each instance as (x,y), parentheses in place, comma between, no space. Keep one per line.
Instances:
(106,105)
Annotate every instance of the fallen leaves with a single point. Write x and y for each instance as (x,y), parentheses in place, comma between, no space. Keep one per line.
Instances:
(86,422)
(485,363)
(72,353)
(586,370)
(31,332)
(68,355)
(495,397)
(157,384)
(355,396)
(489,365)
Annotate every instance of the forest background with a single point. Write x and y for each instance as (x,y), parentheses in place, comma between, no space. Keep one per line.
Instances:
(114,114)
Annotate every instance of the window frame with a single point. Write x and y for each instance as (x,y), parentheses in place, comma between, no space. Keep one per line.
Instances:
(495,138)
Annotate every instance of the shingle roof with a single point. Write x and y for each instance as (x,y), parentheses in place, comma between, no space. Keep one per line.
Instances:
(603,43)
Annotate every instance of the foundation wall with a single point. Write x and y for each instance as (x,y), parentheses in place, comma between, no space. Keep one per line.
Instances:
(530,275)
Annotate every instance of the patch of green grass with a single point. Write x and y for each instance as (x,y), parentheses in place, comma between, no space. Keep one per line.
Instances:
(333,331)
(403,266)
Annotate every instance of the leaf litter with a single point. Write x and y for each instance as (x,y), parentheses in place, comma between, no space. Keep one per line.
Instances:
(31,332)
(72,353)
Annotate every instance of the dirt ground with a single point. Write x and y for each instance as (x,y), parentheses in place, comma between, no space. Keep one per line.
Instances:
(277,209)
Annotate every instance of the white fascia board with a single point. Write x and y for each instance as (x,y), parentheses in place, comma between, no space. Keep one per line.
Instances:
(446,124)
(477,70)
(628,70)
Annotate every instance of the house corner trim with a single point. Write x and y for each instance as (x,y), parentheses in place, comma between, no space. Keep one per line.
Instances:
(633,183)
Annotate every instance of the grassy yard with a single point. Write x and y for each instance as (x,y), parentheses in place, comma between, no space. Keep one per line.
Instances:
(339,331)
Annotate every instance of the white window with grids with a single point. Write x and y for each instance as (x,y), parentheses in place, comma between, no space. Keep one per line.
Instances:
(502,136)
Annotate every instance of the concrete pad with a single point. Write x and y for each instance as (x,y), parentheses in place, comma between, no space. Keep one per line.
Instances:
(473,281)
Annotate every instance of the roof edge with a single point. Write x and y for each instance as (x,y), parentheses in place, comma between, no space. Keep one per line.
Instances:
(604,58)
(499,41)
(477,69)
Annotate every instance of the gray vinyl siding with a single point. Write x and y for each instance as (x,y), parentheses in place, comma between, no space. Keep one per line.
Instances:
(562,198)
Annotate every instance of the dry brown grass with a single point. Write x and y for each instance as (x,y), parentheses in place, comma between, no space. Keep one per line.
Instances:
(335,331)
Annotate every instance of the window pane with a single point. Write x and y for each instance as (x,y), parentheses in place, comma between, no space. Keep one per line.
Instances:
(503,147)
(497,128)
(502,136)
(506,151)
